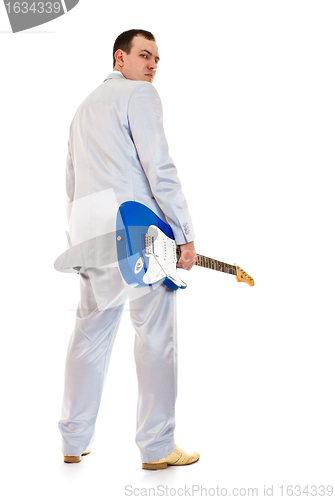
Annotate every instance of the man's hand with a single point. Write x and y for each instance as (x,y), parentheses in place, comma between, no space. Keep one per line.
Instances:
(188,256)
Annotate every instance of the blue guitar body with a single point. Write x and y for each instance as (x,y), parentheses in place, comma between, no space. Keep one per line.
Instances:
(132,227)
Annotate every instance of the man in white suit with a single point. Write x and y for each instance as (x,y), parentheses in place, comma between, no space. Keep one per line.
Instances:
(118,152)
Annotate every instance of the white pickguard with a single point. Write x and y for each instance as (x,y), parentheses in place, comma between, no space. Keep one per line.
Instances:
(161,251)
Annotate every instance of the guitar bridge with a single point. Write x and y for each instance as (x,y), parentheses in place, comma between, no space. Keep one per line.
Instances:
(149,247)
(162,254)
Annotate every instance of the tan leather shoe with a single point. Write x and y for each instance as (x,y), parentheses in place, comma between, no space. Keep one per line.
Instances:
(69,459)
(177,457)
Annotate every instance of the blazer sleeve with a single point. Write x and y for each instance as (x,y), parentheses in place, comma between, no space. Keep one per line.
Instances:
(145,118)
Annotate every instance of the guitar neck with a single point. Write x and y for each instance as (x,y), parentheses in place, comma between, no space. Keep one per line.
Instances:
(216,265)
(209,263)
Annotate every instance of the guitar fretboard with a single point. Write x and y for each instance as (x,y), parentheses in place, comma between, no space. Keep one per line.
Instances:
(216,265)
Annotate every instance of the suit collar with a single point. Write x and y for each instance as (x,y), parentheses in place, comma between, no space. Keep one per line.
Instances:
(115,75)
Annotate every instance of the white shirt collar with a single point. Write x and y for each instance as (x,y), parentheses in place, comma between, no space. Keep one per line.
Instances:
(115,74)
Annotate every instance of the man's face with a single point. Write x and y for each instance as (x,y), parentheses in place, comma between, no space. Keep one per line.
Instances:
(141,62)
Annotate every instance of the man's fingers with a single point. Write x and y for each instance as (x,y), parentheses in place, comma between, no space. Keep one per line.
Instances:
(186,260)
(186,264)
(189,267)
(186,255)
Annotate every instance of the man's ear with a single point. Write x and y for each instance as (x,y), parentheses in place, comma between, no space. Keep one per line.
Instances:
(119,57)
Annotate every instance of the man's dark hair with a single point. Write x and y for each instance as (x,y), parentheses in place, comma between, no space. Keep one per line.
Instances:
(124,41)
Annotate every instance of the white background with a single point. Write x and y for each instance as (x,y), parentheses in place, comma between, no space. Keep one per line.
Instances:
(248,95)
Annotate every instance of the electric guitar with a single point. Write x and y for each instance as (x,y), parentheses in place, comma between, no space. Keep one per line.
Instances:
(147,252)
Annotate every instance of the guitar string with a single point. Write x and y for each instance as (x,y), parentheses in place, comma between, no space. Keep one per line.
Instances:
(214,264)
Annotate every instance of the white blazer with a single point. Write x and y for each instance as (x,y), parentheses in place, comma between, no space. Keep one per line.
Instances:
(117,151)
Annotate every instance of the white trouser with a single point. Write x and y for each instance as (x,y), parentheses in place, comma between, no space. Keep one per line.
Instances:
(153,314)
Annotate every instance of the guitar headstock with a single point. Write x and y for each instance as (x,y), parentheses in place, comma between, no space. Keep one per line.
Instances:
(243,276)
